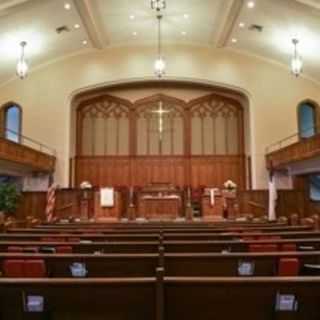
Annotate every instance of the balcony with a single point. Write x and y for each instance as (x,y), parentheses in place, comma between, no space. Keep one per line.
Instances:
(292,150)
(25,153)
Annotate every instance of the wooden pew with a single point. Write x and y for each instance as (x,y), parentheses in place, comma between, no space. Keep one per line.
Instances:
(226,265)
(164,298)
(232,245)
(239,298)
(170,246)
(154,236)
(144,265)
(144,228)
(81,299)
(78,247)
(102,265)
(86,236)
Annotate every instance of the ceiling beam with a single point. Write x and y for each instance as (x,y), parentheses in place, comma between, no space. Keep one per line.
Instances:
(92,23)
(8,4)
(311,3)
(230,11)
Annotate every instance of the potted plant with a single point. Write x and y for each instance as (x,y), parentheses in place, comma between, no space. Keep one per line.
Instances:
(9,197)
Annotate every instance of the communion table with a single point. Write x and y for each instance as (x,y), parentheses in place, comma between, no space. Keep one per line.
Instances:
(159,202)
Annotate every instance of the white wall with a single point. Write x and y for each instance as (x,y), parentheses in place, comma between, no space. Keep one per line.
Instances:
(272,91)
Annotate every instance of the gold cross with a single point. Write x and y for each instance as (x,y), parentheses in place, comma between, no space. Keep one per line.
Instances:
(160,112)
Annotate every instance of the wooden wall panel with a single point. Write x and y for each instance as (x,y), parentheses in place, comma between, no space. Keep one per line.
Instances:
(159,169)
(256,202)
(32,204)
(103,171)
(142,170)
(251,201)
(67,202)
(215,170)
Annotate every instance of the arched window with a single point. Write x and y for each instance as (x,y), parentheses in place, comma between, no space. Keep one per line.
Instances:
(307,120)
(315,187)
(12,122)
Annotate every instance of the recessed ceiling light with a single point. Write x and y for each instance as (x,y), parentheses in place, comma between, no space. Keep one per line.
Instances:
(77,26)
(186,16)
(251,4)
(84,42)
(67,6)
(134,33)
(184,33)
(242,24)
(234,40)
(132,16)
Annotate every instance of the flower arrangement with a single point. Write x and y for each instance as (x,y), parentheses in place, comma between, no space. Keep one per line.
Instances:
(85,185)
(230,185)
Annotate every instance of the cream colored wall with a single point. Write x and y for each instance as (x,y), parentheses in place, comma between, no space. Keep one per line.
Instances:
(273,92)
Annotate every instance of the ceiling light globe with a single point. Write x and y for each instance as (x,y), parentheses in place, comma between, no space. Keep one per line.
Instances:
(160,67)
(22,69)
(296,66)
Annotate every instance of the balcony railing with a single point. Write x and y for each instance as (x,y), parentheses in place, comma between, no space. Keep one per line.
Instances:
(28,142)
(26,151)
(294,148)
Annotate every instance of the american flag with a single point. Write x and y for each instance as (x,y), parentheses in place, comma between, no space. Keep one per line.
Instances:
(51,200)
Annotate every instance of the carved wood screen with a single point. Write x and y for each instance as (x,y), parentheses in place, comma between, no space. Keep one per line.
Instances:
(119,142)
(216,126)
(103,127)
(160,126)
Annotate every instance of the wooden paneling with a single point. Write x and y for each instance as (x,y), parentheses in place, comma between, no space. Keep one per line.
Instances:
(253,201)
(159,169)
(256,202)
(215,170)
(33,159)
(302,150)
(32,204)
(111,214)
(210,167)
(180,171)
(103,171)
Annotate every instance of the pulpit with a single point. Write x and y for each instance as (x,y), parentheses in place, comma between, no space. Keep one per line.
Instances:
(212,205)
(159,202)
(231,203)
(107,214)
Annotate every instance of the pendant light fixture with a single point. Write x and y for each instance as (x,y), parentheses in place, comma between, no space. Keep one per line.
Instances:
(160,64)
(22,66)
(158,5)
(296,62)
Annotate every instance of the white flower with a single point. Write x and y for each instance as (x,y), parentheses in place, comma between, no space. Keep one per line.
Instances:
(85,185)
(230,185)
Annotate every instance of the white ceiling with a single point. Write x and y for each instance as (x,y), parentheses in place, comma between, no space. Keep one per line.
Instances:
(106,23)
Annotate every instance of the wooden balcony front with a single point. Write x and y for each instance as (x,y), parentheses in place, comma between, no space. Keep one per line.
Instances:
(27,156)
(304,149)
